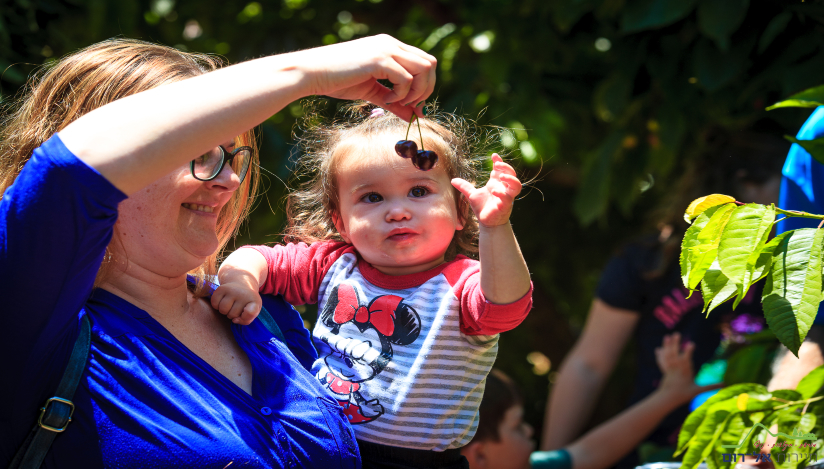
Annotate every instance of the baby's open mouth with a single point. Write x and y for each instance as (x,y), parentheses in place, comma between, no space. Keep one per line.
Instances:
(200,208)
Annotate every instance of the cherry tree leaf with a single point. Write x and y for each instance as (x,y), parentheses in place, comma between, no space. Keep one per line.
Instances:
(700,246)
(699,205)
(793,289)
(744,236)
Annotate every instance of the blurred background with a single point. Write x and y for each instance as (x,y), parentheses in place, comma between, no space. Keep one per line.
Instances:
(609,104)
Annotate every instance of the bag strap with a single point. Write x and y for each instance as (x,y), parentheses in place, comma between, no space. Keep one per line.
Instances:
(270,324)
(56,413)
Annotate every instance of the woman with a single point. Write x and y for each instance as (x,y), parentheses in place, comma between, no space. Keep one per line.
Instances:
(131,170)
(640,294)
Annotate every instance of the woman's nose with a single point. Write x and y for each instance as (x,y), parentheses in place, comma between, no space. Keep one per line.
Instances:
(226,179)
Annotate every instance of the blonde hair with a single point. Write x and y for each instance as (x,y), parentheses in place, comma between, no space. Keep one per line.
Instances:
(61,92)
(309,209)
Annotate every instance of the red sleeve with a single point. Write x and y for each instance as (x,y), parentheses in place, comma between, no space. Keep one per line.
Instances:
(479,316)
(296,270)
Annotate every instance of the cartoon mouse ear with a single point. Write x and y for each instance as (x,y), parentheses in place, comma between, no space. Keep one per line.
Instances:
(407,325)
(343,296)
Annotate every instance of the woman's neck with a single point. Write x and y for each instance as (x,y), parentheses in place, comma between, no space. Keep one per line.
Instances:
(160,296)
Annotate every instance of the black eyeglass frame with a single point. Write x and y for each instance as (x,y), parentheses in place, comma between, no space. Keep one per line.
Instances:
(224,160)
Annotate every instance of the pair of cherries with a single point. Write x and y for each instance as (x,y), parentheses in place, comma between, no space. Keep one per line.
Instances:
(421,159)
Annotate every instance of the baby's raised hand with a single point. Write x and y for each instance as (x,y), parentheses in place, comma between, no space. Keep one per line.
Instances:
(492,203)
(238,302)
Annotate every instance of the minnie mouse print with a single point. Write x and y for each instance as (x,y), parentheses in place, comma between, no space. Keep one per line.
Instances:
(360,338)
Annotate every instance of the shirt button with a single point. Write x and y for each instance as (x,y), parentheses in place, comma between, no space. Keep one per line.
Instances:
(266,411)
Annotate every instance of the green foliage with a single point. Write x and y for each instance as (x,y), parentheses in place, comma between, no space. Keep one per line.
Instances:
(737,417)
(793,289)
(726,250)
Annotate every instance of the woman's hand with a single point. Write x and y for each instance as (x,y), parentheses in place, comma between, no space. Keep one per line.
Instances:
(350,70)
(492,203)
(675,362)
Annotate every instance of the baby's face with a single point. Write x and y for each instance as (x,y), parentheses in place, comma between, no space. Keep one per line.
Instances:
(399,218)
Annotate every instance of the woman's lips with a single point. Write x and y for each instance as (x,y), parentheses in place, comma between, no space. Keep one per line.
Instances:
(199,208)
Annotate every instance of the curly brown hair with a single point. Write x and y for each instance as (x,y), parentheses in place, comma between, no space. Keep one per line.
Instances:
(460,143)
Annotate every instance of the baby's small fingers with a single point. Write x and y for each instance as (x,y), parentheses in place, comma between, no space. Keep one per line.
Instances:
(217,296)
(512,183)
(504,168)
(249,313)
(226,304)
(463,186)
(235,311)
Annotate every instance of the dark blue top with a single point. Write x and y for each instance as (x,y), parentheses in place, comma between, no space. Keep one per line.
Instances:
(802,182)
(145,400)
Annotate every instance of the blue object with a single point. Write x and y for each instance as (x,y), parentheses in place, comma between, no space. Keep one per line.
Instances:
(144,399)
(802,182)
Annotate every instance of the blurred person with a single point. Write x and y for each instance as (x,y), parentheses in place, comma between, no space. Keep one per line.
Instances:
(802,189)
(641,295)
(504,440)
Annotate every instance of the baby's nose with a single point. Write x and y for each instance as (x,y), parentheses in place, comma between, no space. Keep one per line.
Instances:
(398,212)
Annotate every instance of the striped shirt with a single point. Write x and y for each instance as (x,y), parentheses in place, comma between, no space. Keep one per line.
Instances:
(405,356)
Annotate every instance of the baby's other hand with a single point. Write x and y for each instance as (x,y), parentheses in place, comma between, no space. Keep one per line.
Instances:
(675,363)
(238,302)
(492,203)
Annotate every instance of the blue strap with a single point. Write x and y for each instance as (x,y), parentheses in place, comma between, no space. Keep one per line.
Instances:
(270,324)
(56,413)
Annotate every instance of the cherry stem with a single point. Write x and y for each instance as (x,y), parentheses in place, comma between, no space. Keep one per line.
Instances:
(419,131)
(414,116)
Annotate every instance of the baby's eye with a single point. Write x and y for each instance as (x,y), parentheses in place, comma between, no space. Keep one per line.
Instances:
(372,198)
(418,191)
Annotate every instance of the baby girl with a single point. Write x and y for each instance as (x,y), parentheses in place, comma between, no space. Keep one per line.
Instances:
(408,324)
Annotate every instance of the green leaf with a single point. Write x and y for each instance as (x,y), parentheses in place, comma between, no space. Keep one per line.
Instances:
(716,288)
(694,419)
(719,19)
(789,422)
(691,240)
(814,147)
(715,68)
(744,236)
(793,289)
(773,29)
(708,433)
(812,97)
(744,366)
(702,253)
(701,204)
(639,15)
(811,384)
(734,430)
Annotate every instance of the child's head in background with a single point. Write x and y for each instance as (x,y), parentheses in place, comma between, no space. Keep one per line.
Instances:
(400,219)
(503,439)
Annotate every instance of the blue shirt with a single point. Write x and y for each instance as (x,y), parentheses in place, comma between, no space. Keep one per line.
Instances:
(802,182)
(144,400)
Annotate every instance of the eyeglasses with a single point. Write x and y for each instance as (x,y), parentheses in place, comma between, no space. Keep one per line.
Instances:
(208,165)
(421,159)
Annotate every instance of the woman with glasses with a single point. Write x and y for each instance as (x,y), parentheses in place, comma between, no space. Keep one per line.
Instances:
(126,169)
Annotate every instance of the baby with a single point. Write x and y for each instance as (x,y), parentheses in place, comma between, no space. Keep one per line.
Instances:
(408,324)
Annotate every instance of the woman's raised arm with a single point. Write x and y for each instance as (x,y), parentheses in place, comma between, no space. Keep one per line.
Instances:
(136,140)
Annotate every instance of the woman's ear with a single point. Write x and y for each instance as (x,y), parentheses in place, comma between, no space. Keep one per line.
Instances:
(339,225)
